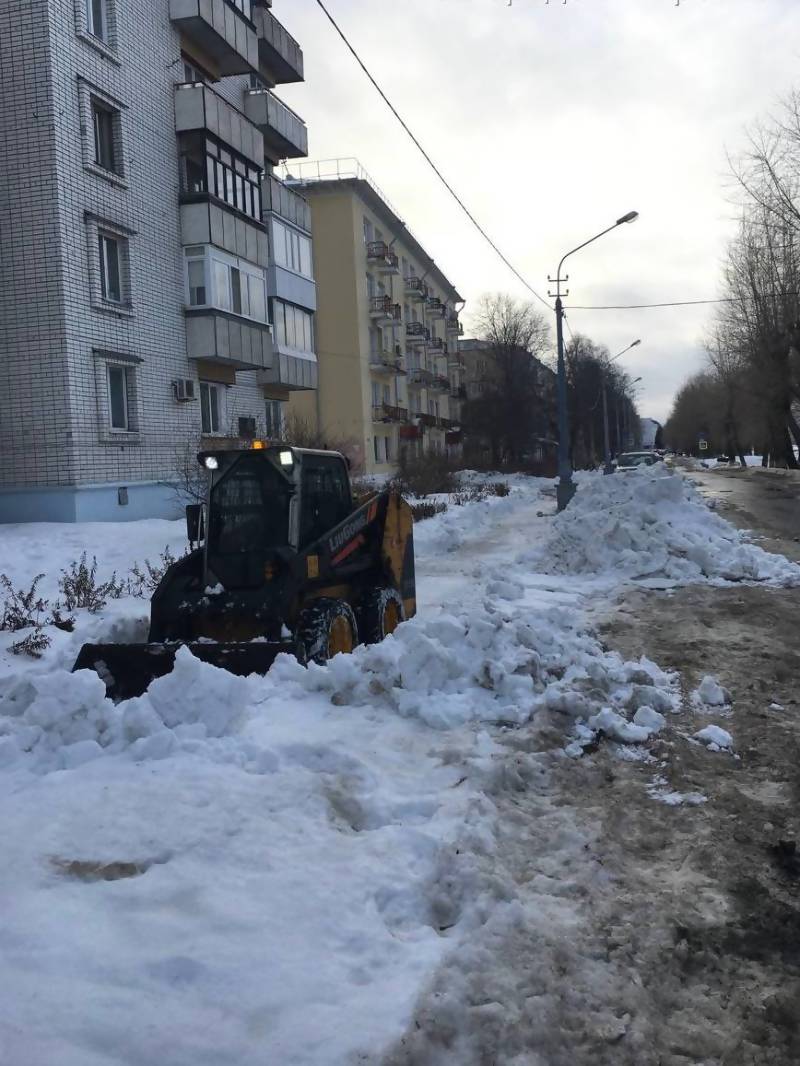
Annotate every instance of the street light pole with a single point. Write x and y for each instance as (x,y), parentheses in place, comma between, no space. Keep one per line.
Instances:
(607,467)
(565,489)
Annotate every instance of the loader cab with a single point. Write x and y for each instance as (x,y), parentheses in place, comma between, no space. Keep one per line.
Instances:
(263,502)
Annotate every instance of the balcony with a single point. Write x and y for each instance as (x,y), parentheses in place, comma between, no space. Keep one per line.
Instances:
(228,340)
(385,363)
(290,371)
(279,54)
(384,412)
(383,312)
(437,346)
(416,289)
(208,223)
(458,392)
(380,255)
(220,31)
(416,333)
(418,378)
(285,133)
(439,383)
(198,107)
(455,360)
(435,308)
(410,432)
(453,325)
(285,202)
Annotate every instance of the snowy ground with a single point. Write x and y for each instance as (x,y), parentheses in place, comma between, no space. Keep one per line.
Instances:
(289,869)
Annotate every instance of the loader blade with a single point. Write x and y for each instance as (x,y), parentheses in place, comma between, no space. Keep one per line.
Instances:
(128,669)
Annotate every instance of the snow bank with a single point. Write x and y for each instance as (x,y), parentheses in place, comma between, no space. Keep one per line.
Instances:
(715,738)
(650,524)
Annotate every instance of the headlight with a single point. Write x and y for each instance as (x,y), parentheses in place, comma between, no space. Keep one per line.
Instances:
(286,458)
(212,463)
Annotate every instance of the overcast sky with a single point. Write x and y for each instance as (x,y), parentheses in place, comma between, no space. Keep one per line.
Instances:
(552,119)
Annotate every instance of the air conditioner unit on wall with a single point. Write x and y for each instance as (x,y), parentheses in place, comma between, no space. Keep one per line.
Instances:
(184,390)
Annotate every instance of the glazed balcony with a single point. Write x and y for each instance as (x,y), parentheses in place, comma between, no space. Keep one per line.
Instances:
(221,30)
(199,108)
(279,54)
(380,255)
(285,133)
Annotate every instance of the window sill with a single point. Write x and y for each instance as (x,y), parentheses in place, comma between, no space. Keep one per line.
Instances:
(100,46)
(108,307)
(107,175)
(120,437)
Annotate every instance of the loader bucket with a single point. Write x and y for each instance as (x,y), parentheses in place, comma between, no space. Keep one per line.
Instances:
(128,669)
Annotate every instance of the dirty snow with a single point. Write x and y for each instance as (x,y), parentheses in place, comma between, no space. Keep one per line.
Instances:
(710,695)
(715,738)
(275,869)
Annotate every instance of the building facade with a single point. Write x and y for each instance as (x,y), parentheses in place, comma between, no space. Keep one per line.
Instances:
(387,327)
(156,280)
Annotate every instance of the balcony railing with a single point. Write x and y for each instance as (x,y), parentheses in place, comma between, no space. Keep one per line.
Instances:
(385,362)
(285,133)
(416,288)
(439,383)
(455,360)
(437,346)
(278,52)
(453,325)
(435,308)
(437,422)
(385,412)
(458,392)
(416,333)
(381,309)
(285,202)
(381,255)
(419,378)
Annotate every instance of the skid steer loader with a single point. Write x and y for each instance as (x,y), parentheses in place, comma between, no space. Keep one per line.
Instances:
(280,561)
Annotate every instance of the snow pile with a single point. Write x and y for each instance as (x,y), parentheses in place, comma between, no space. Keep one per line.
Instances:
(710,695)
(715,738)
(652,524)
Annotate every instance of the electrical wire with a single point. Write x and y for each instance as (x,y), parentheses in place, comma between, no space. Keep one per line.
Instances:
(429,160)
(672,303)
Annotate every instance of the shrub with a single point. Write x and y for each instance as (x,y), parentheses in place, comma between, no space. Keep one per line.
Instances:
(428,509)
(500,488)
(143,583)
(79,587)
(22,609)
(362,490)
(422,475)
(34,645)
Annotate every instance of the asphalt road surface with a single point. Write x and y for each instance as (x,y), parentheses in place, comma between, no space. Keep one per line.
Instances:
(766,502)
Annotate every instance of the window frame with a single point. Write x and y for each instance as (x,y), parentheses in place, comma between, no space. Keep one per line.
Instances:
(101,6)
(106,239)
(283,313)
(215,410)
(222,174)
(252,283)
(122,371)
(106,138)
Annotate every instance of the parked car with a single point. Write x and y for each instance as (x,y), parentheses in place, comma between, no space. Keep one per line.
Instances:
(630,460)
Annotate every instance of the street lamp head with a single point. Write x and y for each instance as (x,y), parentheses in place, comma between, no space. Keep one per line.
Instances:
(635,343)
(635,380)
(630,217)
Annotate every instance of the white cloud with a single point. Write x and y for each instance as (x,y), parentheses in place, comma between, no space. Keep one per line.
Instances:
(551,120)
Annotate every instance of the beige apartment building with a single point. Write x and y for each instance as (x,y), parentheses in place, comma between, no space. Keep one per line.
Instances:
(387,327)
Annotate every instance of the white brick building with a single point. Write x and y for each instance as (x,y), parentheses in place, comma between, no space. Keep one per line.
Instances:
(145,247)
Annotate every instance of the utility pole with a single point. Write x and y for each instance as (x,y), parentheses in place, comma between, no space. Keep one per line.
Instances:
(607,467)
(565,489)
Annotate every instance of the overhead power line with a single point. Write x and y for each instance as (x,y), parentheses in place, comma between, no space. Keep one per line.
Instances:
(429,160)
(673,303)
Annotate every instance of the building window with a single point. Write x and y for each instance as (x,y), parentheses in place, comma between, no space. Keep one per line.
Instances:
(274,420)
(291,250)
(294,328)
(192,73)
(210,168)
(118,398)
(110,252)
(97,19)
(215,279)
(105,123)
(210,407)
(376,444)
(369,232)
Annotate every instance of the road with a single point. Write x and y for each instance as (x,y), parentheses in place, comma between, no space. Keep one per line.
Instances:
(765,501)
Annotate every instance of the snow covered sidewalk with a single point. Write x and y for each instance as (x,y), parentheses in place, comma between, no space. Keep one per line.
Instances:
(275,869)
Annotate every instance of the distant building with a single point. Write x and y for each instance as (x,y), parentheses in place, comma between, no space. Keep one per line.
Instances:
(387,327)
(650,430)
(156,280)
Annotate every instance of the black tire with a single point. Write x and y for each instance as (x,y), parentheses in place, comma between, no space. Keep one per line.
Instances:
(321,626)
(381,612)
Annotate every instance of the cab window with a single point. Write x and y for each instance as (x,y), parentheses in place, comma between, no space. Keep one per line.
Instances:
(325,494)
